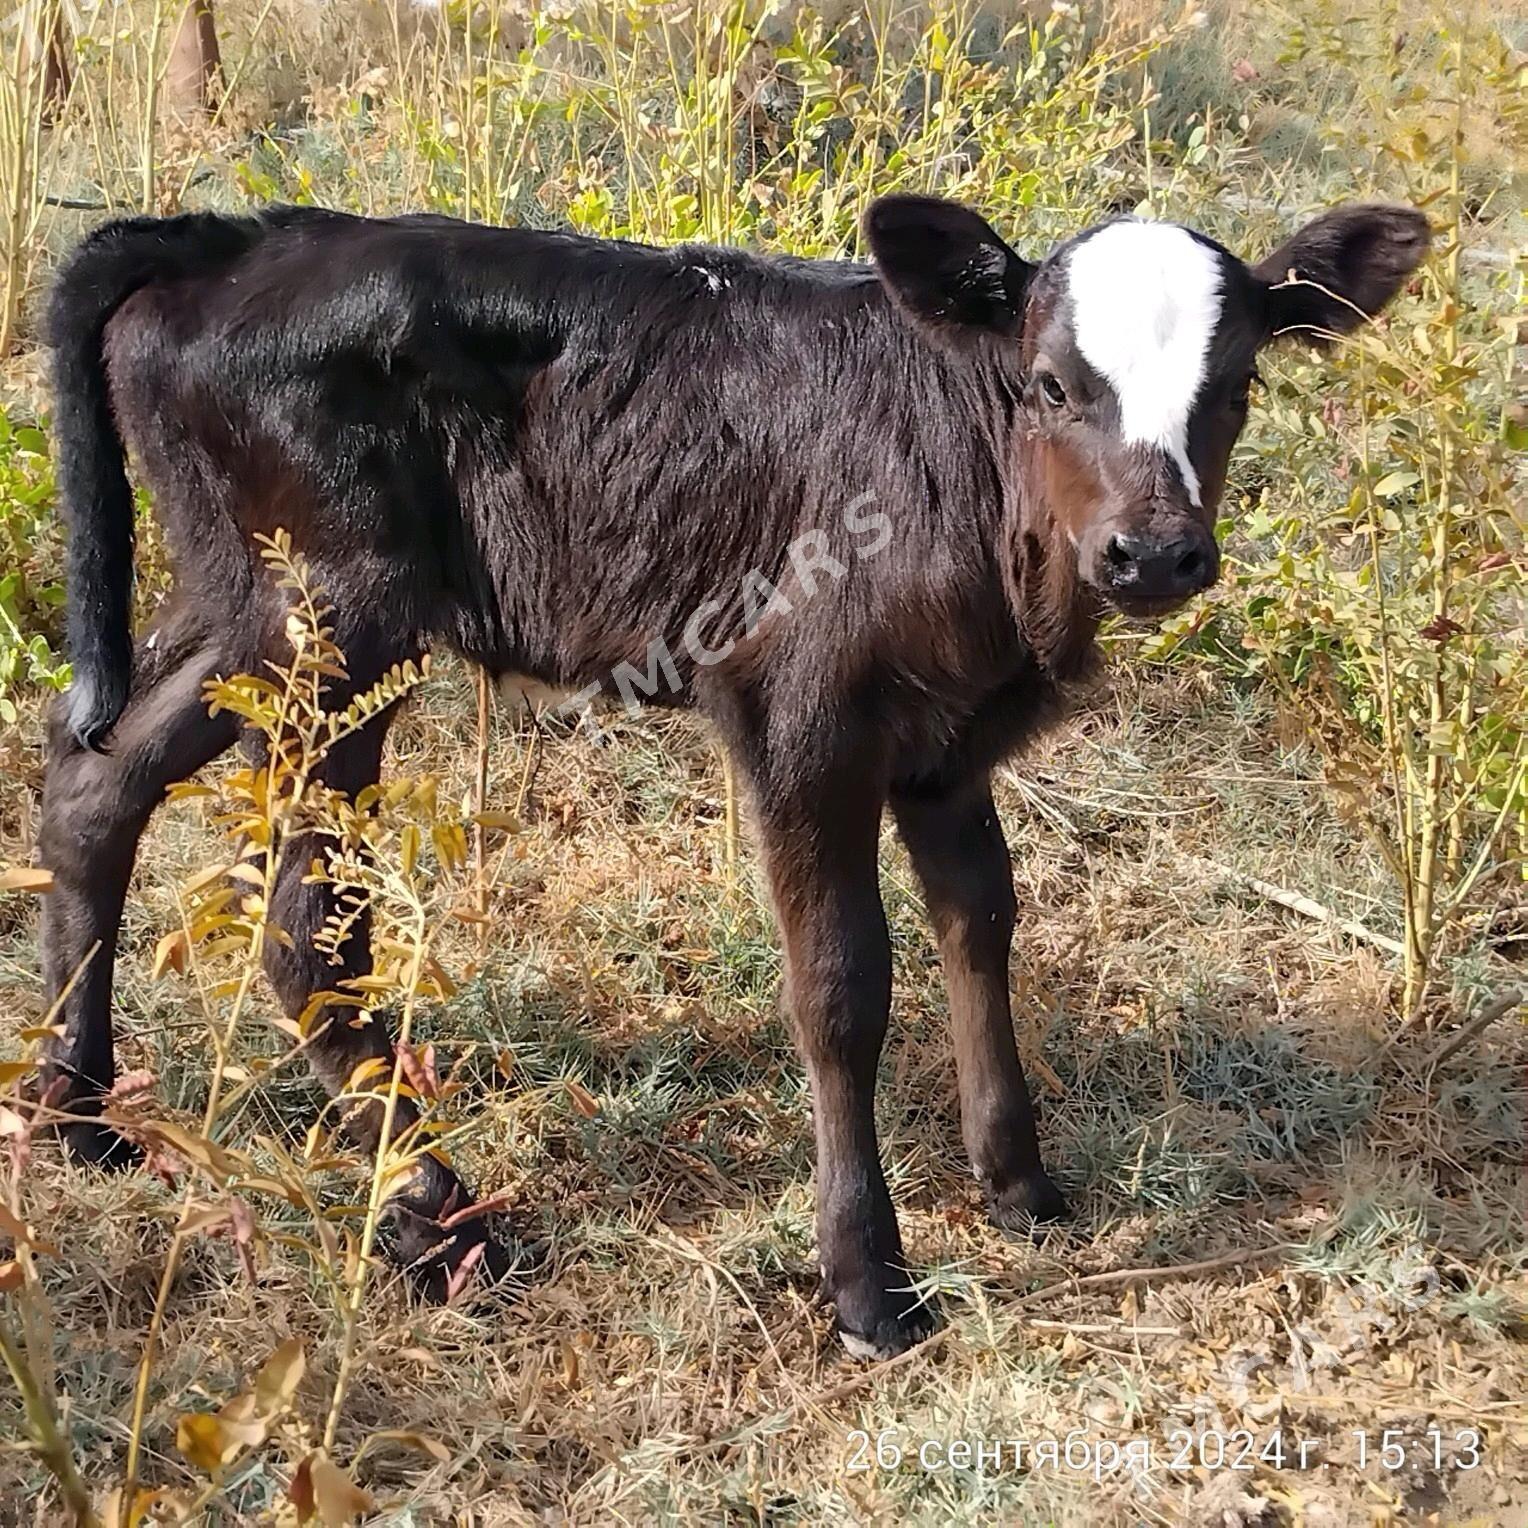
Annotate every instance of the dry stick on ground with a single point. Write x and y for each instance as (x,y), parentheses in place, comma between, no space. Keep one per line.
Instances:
(1307,907)
(1492,1011)
(1488,1015)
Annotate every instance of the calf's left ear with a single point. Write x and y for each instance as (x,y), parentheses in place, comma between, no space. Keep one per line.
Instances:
(945,266)
(1341,268)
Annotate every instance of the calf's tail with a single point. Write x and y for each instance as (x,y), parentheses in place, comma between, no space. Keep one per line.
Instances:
(95,498)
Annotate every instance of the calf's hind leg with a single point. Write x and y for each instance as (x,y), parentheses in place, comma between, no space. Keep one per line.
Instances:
(956,844)
(339,1044)
(95,806)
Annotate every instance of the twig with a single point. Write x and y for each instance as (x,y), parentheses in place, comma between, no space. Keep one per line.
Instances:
(1102,1328)
(1143,1274)
(51,1446)
(1495,1009)
(730,818)
(1307,907)
(479,806)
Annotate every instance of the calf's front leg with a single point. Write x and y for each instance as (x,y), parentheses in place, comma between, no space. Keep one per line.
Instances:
(958,851)
(820,851)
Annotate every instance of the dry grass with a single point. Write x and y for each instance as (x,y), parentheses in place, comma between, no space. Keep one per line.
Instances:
(1213,1085)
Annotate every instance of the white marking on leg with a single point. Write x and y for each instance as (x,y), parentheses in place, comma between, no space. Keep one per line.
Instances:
(1146,298)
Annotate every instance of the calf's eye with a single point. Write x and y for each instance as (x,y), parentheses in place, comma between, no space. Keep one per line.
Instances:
(1055,393)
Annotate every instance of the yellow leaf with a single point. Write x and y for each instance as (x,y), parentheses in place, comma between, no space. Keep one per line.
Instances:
(11,1070)
(372,982)
(444,986)
(203,879)
(172,953)
(364,1071)
(262,1185)
(425,1445)
(199,1436)
(27,878)
(115,1514)
(505,821)
(187,790)
(202,1218)
(194,1148)
(337,1498)
(280,1375)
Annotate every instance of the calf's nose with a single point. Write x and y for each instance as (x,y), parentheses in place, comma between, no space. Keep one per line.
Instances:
(1156,566)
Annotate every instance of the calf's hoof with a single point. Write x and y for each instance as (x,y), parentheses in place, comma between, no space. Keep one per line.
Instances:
(880,1323)
(92,1144)
(443,1262)
(1027,1205)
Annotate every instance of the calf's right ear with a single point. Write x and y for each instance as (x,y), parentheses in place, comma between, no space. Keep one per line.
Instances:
(944,265)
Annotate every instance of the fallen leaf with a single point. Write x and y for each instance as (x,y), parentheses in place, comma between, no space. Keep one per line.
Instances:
(425,1445)
(583,1100)
(171,953)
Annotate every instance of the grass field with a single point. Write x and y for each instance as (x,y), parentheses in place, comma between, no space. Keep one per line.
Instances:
(1300,1195)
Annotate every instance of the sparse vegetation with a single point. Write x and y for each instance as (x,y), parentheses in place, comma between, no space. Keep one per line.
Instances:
(1296,1153)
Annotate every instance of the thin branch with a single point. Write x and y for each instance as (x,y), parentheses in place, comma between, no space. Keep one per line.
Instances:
(1307,907)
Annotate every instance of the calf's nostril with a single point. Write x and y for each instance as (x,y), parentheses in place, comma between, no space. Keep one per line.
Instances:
(1117,552)
(1191,564)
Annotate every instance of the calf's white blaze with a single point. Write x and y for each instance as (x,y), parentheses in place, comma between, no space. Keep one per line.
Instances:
(1145,303)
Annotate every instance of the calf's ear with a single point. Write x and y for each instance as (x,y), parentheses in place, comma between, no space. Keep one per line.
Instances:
(1341,268)
(945,266)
